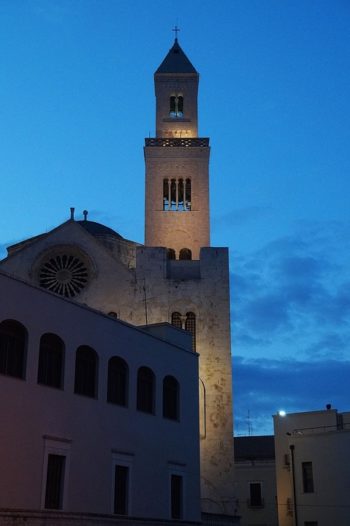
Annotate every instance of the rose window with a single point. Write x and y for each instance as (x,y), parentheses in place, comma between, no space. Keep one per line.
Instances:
(64,274)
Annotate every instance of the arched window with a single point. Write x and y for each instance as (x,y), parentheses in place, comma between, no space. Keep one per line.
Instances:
(165,194)
(86,372)
(176,106)
(176,320)
(113,314)
(188,194)
(185,253)
(145,390)
(13,341)
(171,253)
(51,360)
(190,325)
(171,398)
(173,195)
(118,374)
(180,196)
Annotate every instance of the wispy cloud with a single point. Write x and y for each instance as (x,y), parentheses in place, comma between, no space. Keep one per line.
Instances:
(242,216)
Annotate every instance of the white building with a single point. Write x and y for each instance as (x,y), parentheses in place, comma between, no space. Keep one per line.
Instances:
(255,480)
(176,277)
(97,416)
(313,468)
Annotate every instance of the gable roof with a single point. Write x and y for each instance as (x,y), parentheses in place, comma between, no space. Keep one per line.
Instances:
(176,61)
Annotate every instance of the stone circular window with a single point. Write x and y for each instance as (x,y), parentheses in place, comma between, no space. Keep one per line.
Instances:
(63,273)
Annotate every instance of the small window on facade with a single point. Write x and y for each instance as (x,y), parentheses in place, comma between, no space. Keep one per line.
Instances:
(171,398)
(117,381)
(145,390)
(188,194)
(13,340)
(190,325)
(51,359)
(180,197)
(176,320)
(54,482)
(113,314)
(86,372)
(308,479)
(176,488)
(255,499)
(171,253)
(185,253)
(121,484)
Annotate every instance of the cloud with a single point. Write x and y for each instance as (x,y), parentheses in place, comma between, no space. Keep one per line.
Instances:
(264,386)
(293,296)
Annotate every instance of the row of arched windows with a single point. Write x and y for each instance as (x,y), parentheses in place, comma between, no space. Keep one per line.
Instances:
(177,194)
(13,344)
(187,322)
(185,253)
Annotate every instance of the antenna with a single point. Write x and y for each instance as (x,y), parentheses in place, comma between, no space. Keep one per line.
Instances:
(249,424)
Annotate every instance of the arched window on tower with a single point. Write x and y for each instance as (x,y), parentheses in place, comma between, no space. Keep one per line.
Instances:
(171,398)
(188,194)
(176,320)
(165,194)
(51,361)
(145,390)
(13,342)
(190,325)
(185,253)
(173,195)
(176,107)
(171,253)
(118,373)
(86,372)
(180,195)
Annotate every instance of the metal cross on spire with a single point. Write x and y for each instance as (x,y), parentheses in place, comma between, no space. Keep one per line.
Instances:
(176,30)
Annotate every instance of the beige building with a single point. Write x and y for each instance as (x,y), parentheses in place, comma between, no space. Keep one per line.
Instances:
(312,468)
(176,277)
(255,480)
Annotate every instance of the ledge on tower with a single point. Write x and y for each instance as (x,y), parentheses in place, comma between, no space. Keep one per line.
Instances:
(196,142)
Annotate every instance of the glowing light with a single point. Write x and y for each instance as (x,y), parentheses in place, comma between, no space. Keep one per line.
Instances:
(282,413)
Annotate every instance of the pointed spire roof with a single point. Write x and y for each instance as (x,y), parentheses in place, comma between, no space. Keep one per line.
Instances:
(176,61)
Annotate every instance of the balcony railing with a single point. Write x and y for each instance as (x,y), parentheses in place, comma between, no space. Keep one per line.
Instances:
(172,142)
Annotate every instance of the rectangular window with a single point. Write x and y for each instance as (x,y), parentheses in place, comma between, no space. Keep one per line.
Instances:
(176,496)
(255,494)
(308,479)
(54,482)
(121,483)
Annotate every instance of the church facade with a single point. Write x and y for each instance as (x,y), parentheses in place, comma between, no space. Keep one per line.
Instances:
(175,277)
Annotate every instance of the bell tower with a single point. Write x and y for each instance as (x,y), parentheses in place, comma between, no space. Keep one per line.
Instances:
(177,175)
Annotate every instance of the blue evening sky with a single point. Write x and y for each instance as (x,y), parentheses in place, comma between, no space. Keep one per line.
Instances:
(77,100)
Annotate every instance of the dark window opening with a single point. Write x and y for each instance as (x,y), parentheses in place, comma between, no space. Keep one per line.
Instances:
(113,314)
(188,194)
(145,390)
(185,253)
(121,482)
(308,479)
(176,106)
(176,497)
(310,523)
(51,359)
(177,194)
(117,381)
(190,325)
(255,494)
(165,194)
(176,320)
(86,372)
(171,253)
(54,482)
(171,398)
(13,339)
